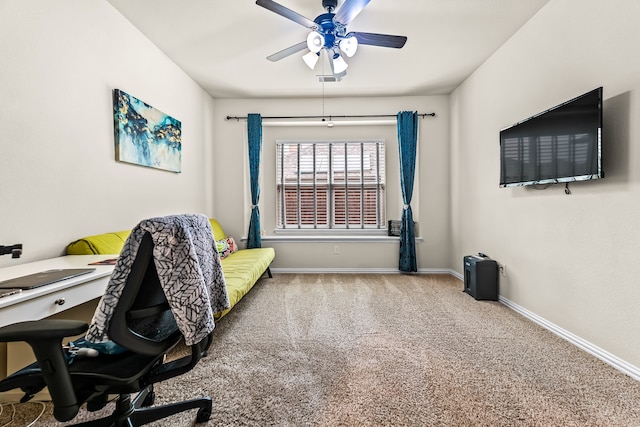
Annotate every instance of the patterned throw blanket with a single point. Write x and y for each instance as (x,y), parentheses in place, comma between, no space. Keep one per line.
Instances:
(189,270)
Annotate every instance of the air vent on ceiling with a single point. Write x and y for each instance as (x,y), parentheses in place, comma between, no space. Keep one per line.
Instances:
(329,79)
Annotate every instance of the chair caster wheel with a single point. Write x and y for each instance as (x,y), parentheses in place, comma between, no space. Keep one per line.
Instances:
(203,415)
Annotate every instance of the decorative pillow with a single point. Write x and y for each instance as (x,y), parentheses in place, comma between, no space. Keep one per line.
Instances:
(232,244)
(226,246)
(223,247)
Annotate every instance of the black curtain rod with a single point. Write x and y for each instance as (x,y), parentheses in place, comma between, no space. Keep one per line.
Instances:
(423,115)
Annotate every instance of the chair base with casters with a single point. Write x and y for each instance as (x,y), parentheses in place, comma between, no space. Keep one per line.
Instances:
(136,411)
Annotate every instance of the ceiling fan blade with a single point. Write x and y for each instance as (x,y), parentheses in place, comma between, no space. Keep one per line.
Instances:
(383,40)
(288,51)
(349,10)
(287,13)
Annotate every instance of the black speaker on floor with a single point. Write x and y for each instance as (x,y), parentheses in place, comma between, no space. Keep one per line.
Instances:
(481,277)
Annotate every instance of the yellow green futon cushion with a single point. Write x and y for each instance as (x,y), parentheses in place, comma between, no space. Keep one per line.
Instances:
(108,243)
(241,269)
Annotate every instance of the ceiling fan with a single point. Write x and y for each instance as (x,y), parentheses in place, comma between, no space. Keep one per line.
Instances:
(329,32)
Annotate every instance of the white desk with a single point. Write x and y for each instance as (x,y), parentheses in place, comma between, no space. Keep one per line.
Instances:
(76,295)
(57,297)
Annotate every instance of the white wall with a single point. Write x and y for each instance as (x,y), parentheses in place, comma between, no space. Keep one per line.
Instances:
(59,62)
(430,202)
(571,259)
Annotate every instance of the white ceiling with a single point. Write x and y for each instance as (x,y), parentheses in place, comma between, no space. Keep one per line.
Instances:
(223,44)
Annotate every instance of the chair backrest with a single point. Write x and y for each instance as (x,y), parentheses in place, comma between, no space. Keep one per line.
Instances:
(142,320)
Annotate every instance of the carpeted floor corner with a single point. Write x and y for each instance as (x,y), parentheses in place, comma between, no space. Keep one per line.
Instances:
(389,350)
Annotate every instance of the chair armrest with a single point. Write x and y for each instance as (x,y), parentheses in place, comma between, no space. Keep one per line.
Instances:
(35,330)
(45,338)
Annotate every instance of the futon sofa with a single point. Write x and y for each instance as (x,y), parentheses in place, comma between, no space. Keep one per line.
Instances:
(242,268)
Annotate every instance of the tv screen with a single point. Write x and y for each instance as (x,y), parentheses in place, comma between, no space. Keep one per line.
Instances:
(561,144)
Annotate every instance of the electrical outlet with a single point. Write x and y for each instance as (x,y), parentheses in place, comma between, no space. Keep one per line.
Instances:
(502,268)
(336,250)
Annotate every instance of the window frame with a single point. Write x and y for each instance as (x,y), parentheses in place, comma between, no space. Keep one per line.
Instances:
(330,184)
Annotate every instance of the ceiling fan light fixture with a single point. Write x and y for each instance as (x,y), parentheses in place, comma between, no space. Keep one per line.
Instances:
(311,59)
(349,45)
(338,64)
(328,31)
(315,41)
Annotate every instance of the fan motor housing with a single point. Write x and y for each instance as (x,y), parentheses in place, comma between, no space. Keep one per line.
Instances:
(325,21)
(328,29)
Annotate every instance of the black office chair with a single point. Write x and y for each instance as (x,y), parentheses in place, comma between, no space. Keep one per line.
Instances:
(143,324)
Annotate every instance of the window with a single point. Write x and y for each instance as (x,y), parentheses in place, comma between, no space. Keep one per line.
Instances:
(330,185)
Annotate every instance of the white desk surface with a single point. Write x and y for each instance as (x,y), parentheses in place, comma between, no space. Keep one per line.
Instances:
(100,275)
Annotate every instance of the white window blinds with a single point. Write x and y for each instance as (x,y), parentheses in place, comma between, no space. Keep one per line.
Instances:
(330,185)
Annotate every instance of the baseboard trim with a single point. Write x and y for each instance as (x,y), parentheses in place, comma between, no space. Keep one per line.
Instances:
(323,270)
(457,275)
(594,350)
(605,356)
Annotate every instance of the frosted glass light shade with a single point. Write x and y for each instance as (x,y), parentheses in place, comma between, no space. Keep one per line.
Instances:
(311,59)
(339,65)
(315,41)
(349,46)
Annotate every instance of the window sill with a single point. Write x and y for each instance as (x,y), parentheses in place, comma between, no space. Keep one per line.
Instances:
(332,239)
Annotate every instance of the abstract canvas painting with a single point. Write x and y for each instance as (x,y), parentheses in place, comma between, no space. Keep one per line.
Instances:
(144,135)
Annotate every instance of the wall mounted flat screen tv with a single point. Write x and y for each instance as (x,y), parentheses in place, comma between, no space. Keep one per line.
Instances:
(561,144)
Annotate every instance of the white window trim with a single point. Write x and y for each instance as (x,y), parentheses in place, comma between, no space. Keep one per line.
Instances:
(333,231)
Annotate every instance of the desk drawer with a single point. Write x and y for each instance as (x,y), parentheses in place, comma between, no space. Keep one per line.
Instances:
(53,303)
